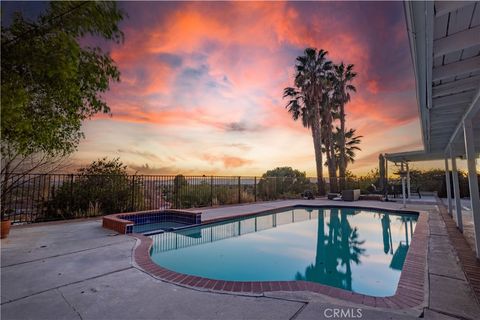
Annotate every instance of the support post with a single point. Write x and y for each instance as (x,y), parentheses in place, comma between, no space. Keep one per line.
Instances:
(456,191)
(409,194)
(381,170)
(386,179)
(404,200)
(472,181)
(449,188)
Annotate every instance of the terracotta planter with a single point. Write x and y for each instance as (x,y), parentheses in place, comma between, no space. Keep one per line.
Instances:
(5,229)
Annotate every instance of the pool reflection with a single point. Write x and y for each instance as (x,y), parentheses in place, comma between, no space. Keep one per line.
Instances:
(336,251)
(340,247)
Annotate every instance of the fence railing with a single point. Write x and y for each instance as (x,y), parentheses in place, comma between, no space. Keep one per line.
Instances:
(42,197)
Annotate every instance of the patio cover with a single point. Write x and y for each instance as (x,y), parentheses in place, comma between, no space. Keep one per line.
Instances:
(445,47)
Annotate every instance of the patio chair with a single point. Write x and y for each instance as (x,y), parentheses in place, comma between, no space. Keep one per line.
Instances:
(332,195)
(418,191)
(308,195)
(372,189)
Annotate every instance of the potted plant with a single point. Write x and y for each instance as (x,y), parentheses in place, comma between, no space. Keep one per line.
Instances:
(5,227)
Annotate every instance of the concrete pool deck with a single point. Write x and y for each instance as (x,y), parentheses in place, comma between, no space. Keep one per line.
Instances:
(78,270)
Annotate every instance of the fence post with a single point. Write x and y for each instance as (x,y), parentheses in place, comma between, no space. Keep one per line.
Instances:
(239,194)
(211,191)
(255,189)
(71,193)
(175,194)
(133,193)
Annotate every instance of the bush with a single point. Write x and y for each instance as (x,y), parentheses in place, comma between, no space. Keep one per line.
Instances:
(283,183)
(103,187)
(434,180)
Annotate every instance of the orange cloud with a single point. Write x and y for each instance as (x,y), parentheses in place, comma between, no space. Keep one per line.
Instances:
(211,74)
(228,161)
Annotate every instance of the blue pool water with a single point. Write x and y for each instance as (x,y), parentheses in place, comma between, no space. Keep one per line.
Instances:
(361,250)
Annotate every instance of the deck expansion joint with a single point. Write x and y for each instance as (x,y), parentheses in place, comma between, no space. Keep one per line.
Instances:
(65,285)
(297,313)
(69,304)
(62,254)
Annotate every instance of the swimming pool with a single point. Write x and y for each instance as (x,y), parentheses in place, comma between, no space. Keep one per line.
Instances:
(360,250)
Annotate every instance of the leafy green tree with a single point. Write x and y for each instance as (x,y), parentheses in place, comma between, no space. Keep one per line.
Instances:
(103,187)
(434,180)
(305,99)
(283,182)
(51,82)
(179,181)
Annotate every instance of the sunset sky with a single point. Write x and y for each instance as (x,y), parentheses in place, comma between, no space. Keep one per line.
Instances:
(201,85)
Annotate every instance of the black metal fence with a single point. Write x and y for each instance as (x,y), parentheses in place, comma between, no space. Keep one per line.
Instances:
(43,197)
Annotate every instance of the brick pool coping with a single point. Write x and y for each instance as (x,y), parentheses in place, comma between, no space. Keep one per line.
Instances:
(410,290)
(470,263)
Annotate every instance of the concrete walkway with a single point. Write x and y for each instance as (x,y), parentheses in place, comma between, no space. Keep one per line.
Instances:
(78,270)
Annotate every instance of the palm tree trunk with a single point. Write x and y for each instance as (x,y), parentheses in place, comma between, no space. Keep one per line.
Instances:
(332,172)
(329,147)
(342,166)
(333,167)
(317,145)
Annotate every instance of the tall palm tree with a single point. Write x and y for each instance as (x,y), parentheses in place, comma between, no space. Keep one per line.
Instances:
(344,76)
(328,113)
(311,72)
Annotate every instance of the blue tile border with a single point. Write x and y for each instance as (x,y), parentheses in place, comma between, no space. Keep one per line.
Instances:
(125,222)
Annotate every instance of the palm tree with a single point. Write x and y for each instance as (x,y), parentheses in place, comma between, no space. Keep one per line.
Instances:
(311,72)
(328,113)
(343,78)
(351,146)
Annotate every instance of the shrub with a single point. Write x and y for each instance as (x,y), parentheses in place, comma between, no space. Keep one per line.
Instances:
(103,187)
(283,183)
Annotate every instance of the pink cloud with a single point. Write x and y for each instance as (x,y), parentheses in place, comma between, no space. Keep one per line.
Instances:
(229,162)
(206,66)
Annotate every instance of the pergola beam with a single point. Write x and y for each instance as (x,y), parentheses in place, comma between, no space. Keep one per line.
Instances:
(457,41)
(456,86)
(469,113)
(456,68)
(444,7)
